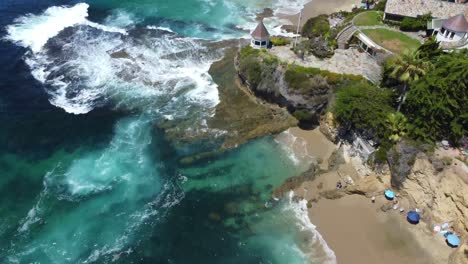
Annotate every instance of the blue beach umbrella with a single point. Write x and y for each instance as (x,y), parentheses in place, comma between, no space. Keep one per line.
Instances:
(413,217)
(389,194)
(453,240)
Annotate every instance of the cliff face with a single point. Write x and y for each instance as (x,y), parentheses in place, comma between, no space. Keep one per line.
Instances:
(444,194)
(266,76)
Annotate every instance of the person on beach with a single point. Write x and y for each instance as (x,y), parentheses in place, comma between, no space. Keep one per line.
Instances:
(339,185)
(373,199)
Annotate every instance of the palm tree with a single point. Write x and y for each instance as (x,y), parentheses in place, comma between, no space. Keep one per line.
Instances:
(397,126)
(407,68)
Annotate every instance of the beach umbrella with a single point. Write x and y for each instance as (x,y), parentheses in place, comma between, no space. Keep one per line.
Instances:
(453,240)
(389,194)
(413,217)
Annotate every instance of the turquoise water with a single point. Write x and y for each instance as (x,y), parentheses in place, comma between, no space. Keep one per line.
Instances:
(87,175)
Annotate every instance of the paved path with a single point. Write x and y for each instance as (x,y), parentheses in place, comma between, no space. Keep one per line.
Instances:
(348,61)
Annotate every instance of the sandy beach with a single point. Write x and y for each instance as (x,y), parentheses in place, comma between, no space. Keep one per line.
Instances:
(359,232)
(356,229)
(319,7)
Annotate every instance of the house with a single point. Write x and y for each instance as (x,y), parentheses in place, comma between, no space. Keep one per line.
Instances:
(260,37)
(451,33)
(397,10)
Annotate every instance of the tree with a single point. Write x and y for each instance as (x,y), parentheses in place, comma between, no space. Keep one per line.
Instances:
(364,108)
(437,104)
(429,50)
(397,126)
(407,68)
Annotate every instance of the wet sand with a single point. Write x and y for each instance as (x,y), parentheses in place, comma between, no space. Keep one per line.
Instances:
(319,7)
(308,145)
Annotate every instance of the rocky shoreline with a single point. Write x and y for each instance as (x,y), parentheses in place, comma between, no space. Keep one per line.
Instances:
(439,193)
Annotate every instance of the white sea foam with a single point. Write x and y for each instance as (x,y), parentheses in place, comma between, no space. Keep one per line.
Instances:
(321,250)
(160,28)
(33,31)
(83,75)
(289,7)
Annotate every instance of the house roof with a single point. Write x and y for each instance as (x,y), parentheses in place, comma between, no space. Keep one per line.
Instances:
(415,8)
(457,23)
(260,31)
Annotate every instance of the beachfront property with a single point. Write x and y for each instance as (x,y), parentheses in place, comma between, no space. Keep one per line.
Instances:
(450,33)
(260,37)
(397,10)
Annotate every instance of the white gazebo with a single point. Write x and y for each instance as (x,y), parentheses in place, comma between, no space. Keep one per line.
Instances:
(260,37)
(453,29)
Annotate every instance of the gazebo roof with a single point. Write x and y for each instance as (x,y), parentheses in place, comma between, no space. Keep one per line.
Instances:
(457,23)
(260,31)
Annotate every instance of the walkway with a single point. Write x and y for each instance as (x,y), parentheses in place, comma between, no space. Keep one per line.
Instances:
(344,61)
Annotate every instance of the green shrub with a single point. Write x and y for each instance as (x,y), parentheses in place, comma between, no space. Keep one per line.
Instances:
(253,71)
(411,24)
(415,24)
(279,41)
(247,51)
(380,6)
(364,108)
(316,26)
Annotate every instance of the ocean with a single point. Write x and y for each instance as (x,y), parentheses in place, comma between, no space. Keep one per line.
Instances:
(87,173)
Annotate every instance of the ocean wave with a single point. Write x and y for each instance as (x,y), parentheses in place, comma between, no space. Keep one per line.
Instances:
(320,250)
(84,65)
(33,31)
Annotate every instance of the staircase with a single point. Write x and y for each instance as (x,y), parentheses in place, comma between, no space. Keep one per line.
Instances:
(344,36)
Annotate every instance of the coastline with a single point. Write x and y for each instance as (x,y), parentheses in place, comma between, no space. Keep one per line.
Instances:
(319,7)
(351,224)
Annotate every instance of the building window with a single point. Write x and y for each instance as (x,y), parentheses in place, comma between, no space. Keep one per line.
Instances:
(263,43)
(452,35)
(442,30)
(257,43)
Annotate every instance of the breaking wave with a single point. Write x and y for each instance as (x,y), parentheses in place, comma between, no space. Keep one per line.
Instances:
(84,65)
(321,252)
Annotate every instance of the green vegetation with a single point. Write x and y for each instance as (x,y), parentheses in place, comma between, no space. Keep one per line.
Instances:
(407,68)
(437,104)
(304,80)
(255,64)
(380,6)
(370,18)
(321,39)
(316,26)
(364,108)
(280,41)
(430,50)
(415,24)
(392,40)
(397,125)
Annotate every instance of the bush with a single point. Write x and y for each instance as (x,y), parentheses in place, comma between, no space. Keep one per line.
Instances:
(415,24)
(253,71)
(316,26)
(279,41)
(364,108)
(248,51)
(380,6)
(412,24)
